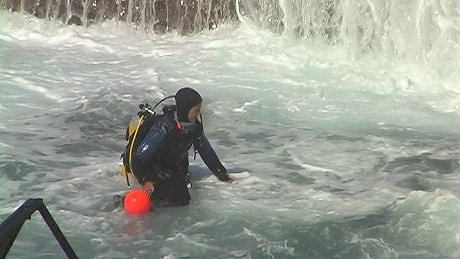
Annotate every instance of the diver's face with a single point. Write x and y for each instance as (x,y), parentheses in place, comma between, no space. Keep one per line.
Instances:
(194,112)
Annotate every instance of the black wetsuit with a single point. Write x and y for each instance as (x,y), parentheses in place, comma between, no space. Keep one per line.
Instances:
(162,157)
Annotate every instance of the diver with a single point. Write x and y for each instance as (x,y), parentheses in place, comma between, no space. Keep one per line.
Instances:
(160,161)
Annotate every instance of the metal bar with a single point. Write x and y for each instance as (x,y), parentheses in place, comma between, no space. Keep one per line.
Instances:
(57,232)
(11,226)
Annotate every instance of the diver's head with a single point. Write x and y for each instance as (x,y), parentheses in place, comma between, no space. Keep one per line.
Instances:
(188,102)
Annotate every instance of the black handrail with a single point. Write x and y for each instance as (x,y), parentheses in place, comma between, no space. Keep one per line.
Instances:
(11,226)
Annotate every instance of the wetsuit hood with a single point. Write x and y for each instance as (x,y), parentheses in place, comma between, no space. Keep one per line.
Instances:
(186,98)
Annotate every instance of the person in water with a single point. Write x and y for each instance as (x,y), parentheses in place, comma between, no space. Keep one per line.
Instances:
(160,163)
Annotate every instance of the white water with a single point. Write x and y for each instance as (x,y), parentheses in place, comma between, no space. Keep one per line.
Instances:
(335,156)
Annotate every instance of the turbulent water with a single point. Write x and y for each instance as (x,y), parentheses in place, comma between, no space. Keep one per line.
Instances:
(344,144)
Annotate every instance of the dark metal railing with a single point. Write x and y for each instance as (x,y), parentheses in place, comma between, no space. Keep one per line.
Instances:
(11,226)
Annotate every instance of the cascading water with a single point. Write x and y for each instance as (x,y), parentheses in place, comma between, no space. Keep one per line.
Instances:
(425,33)
(184,16)
(339,120)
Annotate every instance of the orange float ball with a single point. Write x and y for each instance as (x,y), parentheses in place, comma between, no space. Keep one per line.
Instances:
(137,202)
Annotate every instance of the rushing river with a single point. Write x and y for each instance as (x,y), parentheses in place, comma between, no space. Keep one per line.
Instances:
(345,145)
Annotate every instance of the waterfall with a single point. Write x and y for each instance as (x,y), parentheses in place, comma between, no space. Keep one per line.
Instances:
(152,15)
(421,32)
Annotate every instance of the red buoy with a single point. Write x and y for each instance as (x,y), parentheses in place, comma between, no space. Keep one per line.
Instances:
(137,202)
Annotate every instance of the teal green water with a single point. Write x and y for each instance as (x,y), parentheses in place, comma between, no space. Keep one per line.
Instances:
(335,157)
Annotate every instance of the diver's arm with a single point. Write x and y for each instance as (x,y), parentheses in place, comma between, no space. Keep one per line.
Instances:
(210,158)
(145,152)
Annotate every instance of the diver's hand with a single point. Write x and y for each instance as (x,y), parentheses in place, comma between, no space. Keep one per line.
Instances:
(148,187)
(230,180)
(225,178)
(222,174)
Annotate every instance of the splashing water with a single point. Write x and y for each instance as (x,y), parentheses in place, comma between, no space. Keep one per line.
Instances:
(339,120)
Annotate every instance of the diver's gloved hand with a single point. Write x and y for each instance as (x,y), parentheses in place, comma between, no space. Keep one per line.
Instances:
(148,187)
(223,176)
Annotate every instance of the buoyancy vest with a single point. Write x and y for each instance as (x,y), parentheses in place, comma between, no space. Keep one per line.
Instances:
(172,156)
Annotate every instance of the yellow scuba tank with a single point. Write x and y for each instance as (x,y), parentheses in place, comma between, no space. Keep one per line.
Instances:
(133,125)
(133,128)
(136,131)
